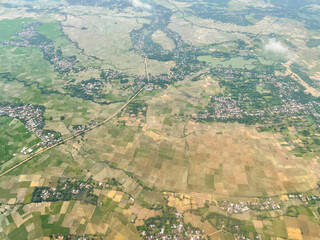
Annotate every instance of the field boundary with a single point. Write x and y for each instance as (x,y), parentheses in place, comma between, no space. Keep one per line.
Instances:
(84,131)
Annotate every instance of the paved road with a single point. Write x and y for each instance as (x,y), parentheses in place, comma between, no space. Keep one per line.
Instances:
(82,132)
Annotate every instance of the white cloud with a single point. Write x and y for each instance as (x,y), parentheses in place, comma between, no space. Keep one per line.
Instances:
(139,4)
(276,47)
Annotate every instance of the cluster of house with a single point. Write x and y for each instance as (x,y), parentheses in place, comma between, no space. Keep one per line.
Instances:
(241,207)
(32,117)
(30,37)
(137,86)
(61,64)
(295,108)
(303,198)
(46,193)
(110,74)
(80,128)
(90,88)
(291,105)
(26,150)
(177,231)
(81,186)
(28,32)
(56,193)
(268,204)
(225,107)
(168,77)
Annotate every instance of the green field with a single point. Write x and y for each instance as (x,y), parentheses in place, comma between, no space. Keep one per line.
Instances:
(237,62)
(10,27)
(13,137)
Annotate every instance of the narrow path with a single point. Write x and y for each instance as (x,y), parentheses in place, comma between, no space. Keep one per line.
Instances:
(215,233)
(82,132)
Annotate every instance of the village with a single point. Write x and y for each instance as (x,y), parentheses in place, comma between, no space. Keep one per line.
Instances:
(238,104)
(66,191)
(28,33)
(267,204)
(33,119)
(241,207)
(173,228)
(30,37)
(226,107)
(60,63)
(91,87)
(81,128)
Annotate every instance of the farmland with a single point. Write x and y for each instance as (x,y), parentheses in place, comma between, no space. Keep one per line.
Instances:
(151,119)
(14,136)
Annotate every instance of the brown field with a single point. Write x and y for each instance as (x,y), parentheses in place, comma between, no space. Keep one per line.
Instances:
(238,162)
(244,162)
(79,212)
(78,216)
(309,89)
(143,213)
(94,228)
(184,156)
(163,158)
(182,202)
